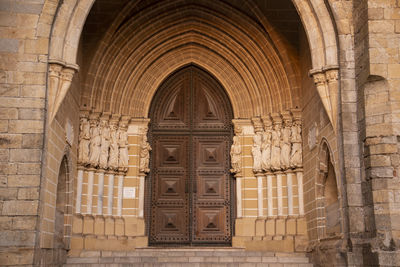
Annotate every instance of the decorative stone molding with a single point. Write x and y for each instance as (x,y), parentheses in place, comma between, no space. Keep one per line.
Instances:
(60,78)
(236,152)
(123,161)
(326,81)
(103,141)
(257,142)
(278,145)
(144,151)
(114,146)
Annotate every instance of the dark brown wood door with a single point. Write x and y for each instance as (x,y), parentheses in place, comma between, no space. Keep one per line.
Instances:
(189,179)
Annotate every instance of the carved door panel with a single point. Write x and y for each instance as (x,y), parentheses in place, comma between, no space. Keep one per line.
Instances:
(211,190)
(190,181)
(170,202)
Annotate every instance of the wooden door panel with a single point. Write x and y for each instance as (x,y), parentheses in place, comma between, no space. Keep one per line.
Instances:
(211,186)
(171,188)
(171,153)
(170,224)
(210,153)
(190,180)
(211,220)
(211,224)
(210,111)
(170,202)
(175,111)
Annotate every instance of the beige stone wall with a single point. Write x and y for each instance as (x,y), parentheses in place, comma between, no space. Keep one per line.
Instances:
(124,227)
(23,52)
(365,150)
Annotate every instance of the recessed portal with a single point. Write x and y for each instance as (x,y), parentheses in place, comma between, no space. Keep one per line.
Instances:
(191,187)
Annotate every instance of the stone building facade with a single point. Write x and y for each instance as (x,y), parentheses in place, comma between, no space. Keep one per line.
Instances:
(313,87)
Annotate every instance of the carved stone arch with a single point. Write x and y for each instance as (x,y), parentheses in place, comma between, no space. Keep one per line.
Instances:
(317,21)
(327,194)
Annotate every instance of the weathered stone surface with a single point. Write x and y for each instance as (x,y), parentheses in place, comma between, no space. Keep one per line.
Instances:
(17,207)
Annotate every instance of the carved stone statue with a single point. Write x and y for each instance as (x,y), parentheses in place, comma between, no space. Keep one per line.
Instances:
(236,151)
(296,155)
(123,147)
(95,142)
(84,141)
(285,146)
(276,149)
(144,154)
(256,152)
(105,143)
(114,147)
(266,149)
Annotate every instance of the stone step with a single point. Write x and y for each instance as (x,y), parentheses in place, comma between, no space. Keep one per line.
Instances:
(189,257)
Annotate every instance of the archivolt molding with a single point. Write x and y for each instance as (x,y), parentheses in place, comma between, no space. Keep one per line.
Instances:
(197,35)
(317,21)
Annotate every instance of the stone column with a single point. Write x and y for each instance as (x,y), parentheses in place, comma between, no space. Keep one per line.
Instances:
(239,208)
(236,164)
(110,194)
(141,196)
(269,195)
(79,190)
(289,181)
(260,196)
(279,193)
(100,191)
(120,192)
(90,191)
(299,175)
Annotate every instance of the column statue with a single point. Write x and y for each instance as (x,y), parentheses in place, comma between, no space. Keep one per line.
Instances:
(276,149)
(114,147)
(236,158)
(84,141)
(266,148)
(105,143)
(144,152)
(285,145)
(95,142)
(123,147)
(256,152)
(297,153)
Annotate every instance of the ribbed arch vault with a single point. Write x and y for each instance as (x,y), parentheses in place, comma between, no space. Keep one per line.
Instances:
(146,44)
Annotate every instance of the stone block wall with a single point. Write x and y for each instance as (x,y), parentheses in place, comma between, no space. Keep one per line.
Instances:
(118,224)
(23,67)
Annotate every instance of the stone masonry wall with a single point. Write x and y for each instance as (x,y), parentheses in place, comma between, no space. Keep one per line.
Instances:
(24,29)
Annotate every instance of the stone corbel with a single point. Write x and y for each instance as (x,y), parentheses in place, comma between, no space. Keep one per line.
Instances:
(60,78)
(326,81)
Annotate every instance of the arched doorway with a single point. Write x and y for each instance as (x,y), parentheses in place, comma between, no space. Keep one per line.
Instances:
(190,183)
(61,229)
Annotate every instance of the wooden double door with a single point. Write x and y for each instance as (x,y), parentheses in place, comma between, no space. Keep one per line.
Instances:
(190,182)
